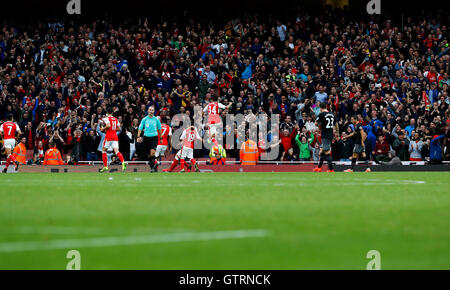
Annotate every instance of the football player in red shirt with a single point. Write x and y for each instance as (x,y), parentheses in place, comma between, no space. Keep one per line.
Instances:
(214,120)
(110,126)
(8,131)
(163,141)
(187,150)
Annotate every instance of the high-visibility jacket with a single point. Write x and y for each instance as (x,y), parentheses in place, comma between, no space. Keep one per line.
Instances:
(217,150)
(53,157)
(19,153)
(249,153)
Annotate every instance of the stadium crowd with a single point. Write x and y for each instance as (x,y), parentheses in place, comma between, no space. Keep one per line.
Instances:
(58,79)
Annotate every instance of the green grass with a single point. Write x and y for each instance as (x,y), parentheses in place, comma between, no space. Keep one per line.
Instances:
(310,220)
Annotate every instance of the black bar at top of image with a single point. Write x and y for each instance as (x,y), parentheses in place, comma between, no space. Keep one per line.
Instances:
(23,9)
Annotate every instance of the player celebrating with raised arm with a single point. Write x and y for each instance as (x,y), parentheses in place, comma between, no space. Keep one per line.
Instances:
(110,126)
(359,149)
(8,131)
(327,123)
(151,126)
(214,120)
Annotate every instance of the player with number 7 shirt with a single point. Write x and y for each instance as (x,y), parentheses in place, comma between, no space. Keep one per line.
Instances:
(8,131)
(163,141)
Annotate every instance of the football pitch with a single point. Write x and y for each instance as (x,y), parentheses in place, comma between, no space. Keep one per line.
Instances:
(225,220)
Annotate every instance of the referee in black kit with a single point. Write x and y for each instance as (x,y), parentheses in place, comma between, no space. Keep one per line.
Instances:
(152,132)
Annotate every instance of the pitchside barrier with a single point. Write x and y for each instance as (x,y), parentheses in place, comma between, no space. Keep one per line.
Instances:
(234,166)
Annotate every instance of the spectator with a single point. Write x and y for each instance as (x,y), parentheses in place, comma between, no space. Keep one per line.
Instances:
(91,142)
(436,149)
(415,148)
(315,149)
(376,124)
(39,153)
(393,159)
(321,96)
(290,156)
(401,147)
(310,125)
(286,139)
(410,127)
(371,139)
(345,146)
(281,29)
(77,147)
(381,150)
(303,144)
(131,139)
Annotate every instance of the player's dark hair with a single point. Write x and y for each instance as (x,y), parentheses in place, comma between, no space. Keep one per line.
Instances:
(109,110)
(51,144)
(323,105)
(9,117)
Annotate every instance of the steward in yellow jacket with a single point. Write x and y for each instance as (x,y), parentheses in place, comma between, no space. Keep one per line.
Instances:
(217,155)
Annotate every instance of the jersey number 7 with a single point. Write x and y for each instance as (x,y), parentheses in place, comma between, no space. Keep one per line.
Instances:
(10,129)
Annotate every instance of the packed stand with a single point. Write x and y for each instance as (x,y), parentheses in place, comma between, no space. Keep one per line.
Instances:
(58,79)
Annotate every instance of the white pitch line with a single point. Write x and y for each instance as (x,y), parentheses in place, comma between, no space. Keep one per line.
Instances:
(11,247)
(60,230)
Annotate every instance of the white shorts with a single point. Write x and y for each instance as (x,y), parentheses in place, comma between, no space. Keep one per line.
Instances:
(110,145)
(9,143)
(185,152)
(213,128)
(160,150)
